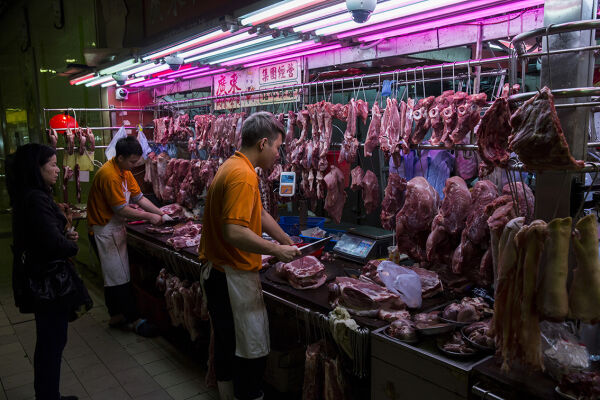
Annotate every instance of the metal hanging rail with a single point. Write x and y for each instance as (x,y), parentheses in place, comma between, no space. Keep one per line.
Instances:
(397,74)
(569,92)
(517,41)
(94,109)
(562,51)
(113,128)
(589,167)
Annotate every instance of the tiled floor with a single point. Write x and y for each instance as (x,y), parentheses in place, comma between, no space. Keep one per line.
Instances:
(98,363)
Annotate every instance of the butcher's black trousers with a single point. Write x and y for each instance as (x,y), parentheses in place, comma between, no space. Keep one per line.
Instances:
(119,299)
(246,373)
(51,331)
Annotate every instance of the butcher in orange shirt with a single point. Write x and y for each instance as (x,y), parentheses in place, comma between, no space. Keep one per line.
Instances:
(230,251)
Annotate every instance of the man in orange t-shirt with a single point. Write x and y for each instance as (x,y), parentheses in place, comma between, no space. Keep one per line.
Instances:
(113,190)
(231,249)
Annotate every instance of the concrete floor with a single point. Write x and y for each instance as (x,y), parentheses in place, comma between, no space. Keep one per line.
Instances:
(98,363)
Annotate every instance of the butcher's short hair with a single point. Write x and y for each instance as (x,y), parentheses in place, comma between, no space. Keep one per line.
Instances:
(260,125)
(128,146)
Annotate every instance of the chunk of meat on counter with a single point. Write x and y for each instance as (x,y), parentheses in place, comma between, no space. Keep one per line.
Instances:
(362,298)
(304,273)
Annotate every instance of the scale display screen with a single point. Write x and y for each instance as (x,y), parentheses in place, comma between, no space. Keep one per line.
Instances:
(354,246)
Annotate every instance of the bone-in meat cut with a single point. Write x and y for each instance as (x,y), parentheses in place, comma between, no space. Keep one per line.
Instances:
(421,118)
(449,222)
(436,117)
(537,135)
(393,200)
(304,273)
(350,144)
(450,116)
(413,221)
(468,116)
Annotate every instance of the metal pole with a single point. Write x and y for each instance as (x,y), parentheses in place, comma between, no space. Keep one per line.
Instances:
(478,51)
(95,109)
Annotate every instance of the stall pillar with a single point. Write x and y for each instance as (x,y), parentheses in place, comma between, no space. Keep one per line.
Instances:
(564,71)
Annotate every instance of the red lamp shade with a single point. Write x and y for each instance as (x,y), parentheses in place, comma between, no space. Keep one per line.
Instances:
(62,121)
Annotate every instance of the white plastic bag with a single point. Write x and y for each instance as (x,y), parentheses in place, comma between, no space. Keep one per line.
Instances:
(144,142)
(110,150)
(402,281)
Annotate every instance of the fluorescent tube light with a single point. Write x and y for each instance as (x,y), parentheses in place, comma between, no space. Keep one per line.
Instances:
(277,10)
(188,43)
(227,49)
(295,55)
(256,51)
(117,68)
(304,18)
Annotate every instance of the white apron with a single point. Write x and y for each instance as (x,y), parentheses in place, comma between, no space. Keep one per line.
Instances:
(249,313)
(111,240)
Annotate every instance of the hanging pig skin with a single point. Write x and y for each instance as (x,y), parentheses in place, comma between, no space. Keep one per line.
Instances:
(584,294)
(553,300)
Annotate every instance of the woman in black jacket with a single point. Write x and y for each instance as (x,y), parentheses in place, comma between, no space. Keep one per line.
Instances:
(39,237)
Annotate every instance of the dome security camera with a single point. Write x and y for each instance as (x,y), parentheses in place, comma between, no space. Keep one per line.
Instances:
(361,10)
(174,62)
(120,78)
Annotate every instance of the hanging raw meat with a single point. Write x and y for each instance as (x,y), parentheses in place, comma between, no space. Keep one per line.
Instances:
(52,137)
(70,142)
(372,140)
(468,116)
(385,143)
(450,116)
(553,300)
(362,110)
(350,144)
(413,221)
(537,136)
(394,130)
(393,200)
(436,116)
(91,140)
(325,113)
(336,196)
(356,174)
(449,222)
(406,125)
(67,174)
(370,191)
(475,236)
(421,118)
(584,293)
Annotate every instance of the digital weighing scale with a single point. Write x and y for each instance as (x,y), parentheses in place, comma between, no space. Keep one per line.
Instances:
(363,243)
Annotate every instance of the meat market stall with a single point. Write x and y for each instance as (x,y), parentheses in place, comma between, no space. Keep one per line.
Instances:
(450,189)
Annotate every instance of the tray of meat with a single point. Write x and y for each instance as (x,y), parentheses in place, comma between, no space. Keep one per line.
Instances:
(160,230)
(456,347)
(304,273)
(582,385)
(430,324)
(469,310)
(478,335)
(402,330)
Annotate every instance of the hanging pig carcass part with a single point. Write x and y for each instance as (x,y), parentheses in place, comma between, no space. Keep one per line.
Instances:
(406,124)
(394,130)
(372,140)
(70,142)
(356,175)
(325,112)
(449,222)
(52,137)
(475,237)
(82,139)
(336,196)
(468,116)
(299,145)
(421,118)
(450,116)
(413,221)
(393,200)
(436,116)
(362,110)
(349,149)
(91,140)
(537,136)
(492,135)
(370,192)
(67,174)
(289,135)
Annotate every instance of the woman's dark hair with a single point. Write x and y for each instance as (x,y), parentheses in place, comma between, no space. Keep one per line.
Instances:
(128,146)
(23,170)
(260,125)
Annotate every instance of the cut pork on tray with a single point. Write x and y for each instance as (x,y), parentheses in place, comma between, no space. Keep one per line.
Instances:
(304,273)
(362,298)
(537,136)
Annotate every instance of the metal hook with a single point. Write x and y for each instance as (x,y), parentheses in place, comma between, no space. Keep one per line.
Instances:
(422,76)
(453,74)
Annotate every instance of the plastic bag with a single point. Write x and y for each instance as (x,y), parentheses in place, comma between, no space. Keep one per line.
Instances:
(562,353)
(111,151)
(402,281)
(144,142)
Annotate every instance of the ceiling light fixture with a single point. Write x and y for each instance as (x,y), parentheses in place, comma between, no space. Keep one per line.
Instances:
(98,80)
(82,79)
(304,18)
(217,34)
(272,53)
(227,49)
(118,67)
(277,10)
(291,56)
(218,44)
(256,51)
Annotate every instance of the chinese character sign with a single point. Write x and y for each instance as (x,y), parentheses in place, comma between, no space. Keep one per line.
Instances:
(272,76)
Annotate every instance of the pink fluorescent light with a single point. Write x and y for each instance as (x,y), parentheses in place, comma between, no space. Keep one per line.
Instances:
(132,81)
(399,11)
(82,79)
(345,17)
(304,18)
(277,10)
(289,56)
(193,70)
(148,81)
(215,71)
(218,44)
(159,68)
(162,82)
(189,43)
(408,18)
(277,52)
(514,6)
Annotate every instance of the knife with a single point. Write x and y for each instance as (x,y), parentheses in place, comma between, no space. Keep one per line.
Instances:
(306,250)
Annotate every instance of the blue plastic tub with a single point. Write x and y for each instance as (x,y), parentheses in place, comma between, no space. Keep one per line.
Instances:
(330,245)
(290,225)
